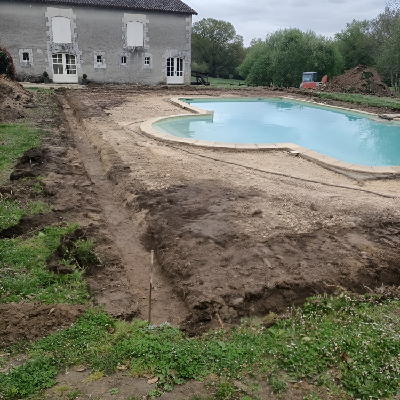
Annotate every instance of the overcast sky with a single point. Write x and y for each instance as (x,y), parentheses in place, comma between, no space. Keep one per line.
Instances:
(256,18)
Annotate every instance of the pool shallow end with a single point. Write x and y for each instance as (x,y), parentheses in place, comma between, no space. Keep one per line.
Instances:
(147,129)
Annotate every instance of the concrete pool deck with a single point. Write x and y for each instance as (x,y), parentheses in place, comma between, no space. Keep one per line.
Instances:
(321,159)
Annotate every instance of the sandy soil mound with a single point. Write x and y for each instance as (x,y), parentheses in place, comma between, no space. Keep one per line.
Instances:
(30,321)
(14,98)
(360,79)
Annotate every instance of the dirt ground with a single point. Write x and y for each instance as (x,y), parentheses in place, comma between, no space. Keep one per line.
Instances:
(14,100)
(360,79)
(235,233)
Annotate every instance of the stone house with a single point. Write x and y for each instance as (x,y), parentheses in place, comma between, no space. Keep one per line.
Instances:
(116,41)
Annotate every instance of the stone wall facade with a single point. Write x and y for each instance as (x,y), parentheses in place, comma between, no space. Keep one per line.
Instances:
(98,41)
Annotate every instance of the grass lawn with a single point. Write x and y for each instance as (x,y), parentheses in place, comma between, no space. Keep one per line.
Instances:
(223,83)
(14,140)
(374,101)
(348,345)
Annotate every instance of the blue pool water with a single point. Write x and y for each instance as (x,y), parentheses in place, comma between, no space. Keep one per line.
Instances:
(347,136)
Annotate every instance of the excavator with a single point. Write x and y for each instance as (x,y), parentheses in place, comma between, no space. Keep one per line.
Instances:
(311,80)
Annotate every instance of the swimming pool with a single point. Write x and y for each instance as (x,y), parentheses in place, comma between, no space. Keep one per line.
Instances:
(352,137)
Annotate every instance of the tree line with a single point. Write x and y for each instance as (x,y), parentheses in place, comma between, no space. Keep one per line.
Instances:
(282,57)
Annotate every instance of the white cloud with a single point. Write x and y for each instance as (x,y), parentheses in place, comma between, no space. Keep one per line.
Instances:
(258,17)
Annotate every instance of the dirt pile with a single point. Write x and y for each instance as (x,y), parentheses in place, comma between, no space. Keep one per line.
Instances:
(360,79)
(14,98)
(30,321)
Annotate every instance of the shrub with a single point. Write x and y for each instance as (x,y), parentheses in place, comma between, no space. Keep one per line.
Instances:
(6,63)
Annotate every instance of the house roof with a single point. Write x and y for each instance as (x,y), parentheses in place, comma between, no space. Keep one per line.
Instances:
(153,5)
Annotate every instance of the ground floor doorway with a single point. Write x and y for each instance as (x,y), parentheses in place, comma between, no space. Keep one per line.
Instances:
(64,68)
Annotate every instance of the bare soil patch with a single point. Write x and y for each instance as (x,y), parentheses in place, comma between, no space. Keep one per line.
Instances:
(232,237)
(31,321)
(14,99)
(360,79)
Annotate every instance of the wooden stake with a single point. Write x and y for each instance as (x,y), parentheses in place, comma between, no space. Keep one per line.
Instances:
(151,283)
(220,321)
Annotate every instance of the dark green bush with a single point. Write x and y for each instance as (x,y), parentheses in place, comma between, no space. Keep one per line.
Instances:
(6,63)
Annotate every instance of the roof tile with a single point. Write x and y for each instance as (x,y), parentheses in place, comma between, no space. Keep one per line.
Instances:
(153,5)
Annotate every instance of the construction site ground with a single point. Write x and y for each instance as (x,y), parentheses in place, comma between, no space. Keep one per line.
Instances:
(235,233)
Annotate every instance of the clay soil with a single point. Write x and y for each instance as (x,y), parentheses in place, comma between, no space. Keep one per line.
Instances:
(235,233)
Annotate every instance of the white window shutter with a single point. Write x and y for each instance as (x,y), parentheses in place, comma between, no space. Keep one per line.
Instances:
(61,30)
(134,34)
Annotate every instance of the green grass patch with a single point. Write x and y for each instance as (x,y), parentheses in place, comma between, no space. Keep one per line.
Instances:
(15,139)
(220,82)
(343,343)
(11,211)
(23,274)
(367,100)
(39,89)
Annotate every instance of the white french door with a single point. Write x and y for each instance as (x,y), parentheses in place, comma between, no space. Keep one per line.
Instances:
(175,70)
(64,68)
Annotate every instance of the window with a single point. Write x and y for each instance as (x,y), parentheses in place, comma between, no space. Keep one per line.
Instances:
(170,67)
(123,60)
(147,61)
(61,28)
(70,61)
(134,34)
(25,58)
(179,67)
(175,66)
(58,64)
(99,60)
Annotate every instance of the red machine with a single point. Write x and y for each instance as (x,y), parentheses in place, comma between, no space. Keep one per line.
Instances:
(310,80)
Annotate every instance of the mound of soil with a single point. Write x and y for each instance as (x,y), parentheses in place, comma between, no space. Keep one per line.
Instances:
(13,99)
(30,321)
(360,79)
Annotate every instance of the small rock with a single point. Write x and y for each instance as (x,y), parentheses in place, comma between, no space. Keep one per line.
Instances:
(238,301)
(267,263)
(51,311)
(302,264)
(153,380)
(256,213)
(240,385)
(122,367)
(80,368)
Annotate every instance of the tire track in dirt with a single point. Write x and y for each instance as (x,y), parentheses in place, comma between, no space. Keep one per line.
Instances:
(125,227)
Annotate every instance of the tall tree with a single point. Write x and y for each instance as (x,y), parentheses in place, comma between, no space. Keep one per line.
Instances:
(215,43)
(356,44)
(386,32)
(285,54)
